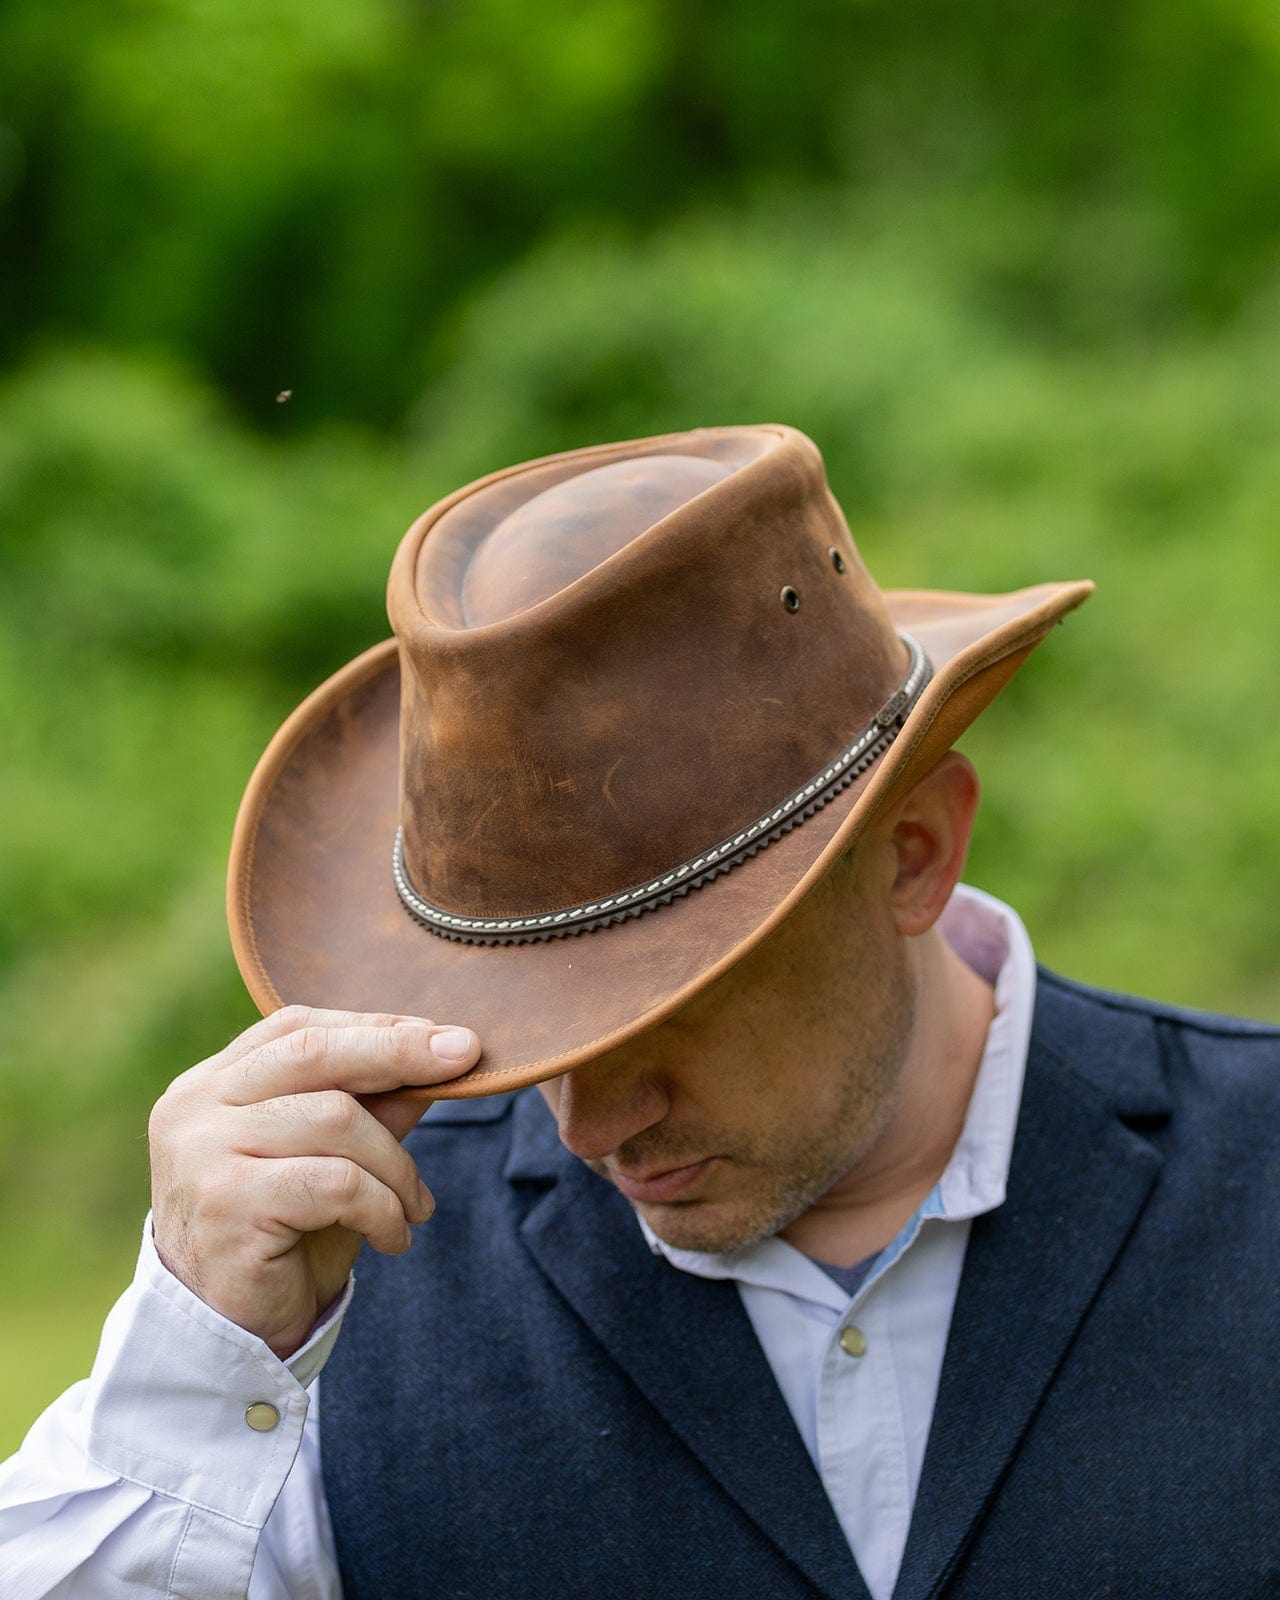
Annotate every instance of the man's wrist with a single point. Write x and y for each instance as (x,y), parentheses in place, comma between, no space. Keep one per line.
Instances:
(306,1361)
(193,1406)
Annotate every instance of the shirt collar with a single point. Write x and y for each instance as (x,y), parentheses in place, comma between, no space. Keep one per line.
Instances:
(990,937)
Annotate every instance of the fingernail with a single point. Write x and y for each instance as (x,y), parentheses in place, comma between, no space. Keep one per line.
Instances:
(426,1200)
(452,1044)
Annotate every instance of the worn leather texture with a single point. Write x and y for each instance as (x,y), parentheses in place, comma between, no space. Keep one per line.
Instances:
(532,1405)
(658,698)
(593,679)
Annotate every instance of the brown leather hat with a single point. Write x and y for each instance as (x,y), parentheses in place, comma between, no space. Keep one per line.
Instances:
(640,698)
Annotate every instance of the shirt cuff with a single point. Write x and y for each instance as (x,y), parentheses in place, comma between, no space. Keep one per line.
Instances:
(172,1387)
(306,1361)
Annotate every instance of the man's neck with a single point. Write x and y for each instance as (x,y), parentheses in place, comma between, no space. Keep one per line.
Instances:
(867,1208)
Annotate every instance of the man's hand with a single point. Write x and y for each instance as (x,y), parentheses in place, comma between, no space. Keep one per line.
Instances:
(266,1169)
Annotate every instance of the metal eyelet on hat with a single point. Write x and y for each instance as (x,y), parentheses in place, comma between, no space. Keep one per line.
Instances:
(790,599)
(837,560)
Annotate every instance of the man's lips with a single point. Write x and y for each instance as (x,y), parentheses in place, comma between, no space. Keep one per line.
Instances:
(655,1186)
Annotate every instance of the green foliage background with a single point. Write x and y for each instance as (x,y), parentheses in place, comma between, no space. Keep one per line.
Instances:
(1015,268)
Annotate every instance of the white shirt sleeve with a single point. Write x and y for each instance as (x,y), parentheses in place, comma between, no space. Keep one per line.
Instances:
(146,1480)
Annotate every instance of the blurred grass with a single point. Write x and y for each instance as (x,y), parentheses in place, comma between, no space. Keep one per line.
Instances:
(50,1327)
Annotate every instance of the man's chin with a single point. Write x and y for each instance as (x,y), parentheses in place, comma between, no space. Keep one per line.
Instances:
(714,1207)
(705,1226)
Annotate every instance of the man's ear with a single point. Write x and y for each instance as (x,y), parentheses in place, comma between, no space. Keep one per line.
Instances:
(929,831)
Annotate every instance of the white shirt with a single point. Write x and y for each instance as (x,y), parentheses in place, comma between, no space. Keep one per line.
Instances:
(145,1480)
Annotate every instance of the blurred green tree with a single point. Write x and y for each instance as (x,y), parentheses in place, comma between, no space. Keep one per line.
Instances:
(296,195)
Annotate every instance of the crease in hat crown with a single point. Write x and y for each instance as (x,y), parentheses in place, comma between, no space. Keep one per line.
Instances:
(617,663)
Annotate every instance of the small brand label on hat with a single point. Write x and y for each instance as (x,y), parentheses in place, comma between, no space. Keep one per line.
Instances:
(892,709)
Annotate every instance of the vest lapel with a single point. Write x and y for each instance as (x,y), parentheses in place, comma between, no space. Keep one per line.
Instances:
(1077,1184)
(688,1346)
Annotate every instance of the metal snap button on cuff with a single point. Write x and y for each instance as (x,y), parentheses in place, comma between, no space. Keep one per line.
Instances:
(261,1416)
(853,1341)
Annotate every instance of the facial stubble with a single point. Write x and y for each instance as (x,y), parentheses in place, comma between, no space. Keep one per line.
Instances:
(776,1179)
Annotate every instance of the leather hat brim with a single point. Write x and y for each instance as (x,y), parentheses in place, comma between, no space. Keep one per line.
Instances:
(315,918)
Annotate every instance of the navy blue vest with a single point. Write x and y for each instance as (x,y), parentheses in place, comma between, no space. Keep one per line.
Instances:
(531,1404)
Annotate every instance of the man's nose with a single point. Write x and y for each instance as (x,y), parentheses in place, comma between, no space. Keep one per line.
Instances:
(603,1104)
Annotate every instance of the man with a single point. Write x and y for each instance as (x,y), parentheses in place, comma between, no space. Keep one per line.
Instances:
(795,1238)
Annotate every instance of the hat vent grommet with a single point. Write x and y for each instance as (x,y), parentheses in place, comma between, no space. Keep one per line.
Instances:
(837,560)
(790,599)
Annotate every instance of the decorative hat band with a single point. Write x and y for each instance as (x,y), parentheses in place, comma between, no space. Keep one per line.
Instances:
(851,763)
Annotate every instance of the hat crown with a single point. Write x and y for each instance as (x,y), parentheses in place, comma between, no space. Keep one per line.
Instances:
(567,530)
(612,660)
